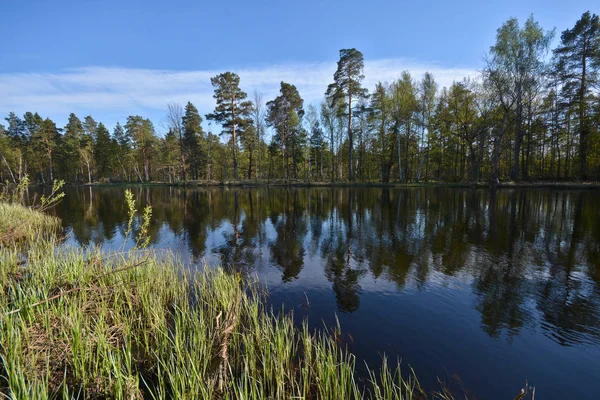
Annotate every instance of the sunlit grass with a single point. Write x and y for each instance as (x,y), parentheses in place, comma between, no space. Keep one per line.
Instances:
(19,224)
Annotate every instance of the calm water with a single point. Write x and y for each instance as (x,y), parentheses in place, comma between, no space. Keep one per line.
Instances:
(481,289)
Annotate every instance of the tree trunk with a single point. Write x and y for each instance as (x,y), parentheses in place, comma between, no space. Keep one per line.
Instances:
(146,169)
(350,138)
(332,157)
(9,169)
(399,153)
(583,126)
(514,172)
(51,166)
(421,152)
(496,151)
(89,171)
(234,144)
(182,154)
(250,166)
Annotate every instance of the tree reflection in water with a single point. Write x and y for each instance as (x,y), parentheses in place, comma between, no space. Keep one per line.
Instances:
(530,257)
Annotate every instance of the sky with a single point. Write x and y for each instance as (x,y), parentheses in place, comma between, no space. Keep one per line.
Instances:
(111,59)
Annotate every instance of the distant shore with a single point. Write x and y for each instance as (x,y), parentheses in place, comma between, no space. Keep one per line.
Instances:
(301,183)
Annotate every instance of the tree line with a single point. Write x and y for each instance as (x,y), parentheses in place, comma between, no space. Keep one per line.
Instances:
(533,113)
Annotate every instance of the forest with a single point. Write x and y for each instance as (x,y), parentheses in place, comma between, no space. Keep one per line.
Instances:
(532,114)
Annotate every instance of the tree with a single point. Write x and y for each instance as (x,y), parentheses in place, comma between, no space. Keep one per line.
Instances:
(15,130)
(403,102)
(231,111)
(513,69)
(48,136)
(171,153)
(6,151)
(427,92)
(462,113)
(90,127)
(317,142)
(73,133)
(86,147)
(330,122)
(193,136)
(380,115)
(284,113)
(259,117)
(143,137)
(175,126)
(123,146)
(103,152)
(250,144)
(346,88)
(578,63)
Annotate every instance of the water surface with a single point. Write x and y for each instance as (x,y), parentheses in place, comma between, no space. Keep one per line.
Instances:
(482,289)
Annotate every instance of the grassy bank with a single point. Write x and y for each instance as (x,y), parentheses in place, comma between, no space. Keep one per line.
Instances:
(22,225)
(136,325)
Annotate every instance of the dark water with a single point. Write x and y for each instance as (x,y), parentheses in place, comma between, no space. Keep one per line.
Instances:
(481,289)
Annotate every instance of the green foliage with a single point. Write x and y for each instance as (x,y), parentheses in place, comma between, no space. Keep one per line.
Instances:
(232,111)
(103,152)
(347,88)
(194,142)
(577,64)
(521,119)
(285,113)
(50,200)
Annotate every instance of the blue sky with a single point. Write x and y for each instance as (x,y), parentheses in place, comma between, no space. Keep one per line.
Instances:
(115,58)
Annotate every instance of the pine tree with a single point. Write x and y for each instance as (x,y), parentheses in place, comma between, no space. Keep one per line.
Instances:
(102,152)
(232,111)
(284,113)
(193,139)
(317,142)
(143,137)
(578,63)
(45,139)
(6,154)
(73,134)
(123,149)
(347,89)
(15,130)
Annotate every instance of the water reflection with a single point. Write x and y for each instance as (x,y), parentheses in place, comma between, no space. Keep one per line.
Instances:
(530,257)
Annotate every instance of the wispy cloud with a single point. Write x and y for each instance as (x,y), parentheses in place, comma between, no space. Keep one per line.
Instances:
(110,94)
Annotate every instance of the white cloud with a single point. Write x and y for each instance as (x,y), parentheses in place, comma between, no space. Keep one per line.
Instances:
(110,94)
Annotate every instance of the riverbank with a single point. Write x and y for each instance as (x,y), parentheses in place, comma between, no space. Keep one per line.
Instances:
(300,183)
(137,324)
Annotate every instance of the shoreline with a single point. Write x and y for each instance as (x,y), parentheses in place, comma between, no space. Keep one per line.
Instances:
(305,184)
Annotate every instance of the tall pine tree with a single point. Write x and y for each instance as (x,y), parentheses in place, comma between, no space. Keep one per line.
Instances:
(347,90)
(578,63)
(232,110)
